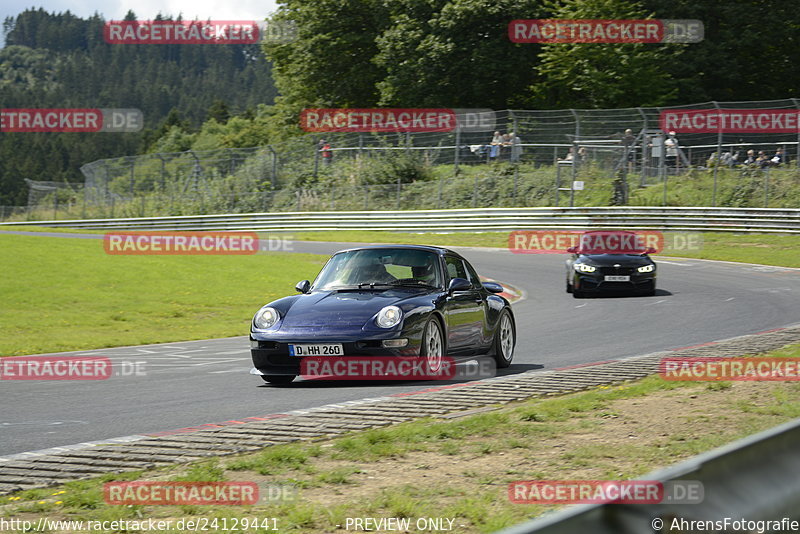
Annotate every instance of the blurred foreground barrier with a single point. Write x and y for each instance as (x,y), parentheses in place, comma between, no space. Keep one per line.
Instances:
(755,479)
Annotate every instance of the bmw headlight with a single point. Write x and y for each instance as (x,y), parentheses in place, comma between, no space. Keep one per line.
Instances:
(583,268)
(647,268)
(266,318)
(389,316)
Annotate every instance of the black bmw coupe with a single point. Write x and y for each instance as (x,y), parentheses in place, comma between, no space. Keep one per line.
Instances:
(594,266)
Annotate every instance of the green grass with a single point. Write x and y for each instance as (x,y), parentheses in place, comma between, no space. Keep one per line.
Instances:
(768,249)
(68,294)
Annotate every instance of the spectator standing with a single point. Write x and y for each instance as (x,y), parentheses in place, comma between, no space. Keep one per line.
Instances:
(629,148)
(657,150)
(325,151)
(671,144)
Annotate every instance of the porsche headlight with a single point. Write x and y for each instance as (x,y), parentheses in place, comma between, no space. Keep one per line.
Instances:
(583,268)
(266,318)
(647,268)
(389,316)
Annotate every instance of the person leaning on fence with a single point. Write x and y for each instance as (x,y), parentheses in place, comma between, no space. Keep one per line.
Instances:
(325,151)
(777,159)
(494,146)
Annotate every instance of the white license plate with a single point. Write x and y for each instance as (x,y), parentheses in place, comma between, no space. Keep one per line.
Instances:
(617,278)
(316,349)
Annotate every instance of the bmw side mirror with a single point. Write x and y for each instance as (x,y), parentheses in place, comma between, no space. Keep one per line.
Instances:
(303,286)
(459,284)
(493,287)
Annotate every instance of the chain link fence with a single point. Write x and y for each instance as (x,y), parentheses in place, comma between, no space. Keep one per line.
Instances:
(528,158)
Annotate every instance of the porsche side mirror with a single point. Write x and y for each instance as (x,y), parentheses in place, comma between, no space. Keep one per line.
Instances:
(459,284)
(572,250)
(650,250)
(303,286)
(493,287)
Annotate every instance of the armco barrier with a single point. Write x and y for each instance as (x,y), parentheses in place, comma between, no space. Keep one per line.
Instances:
(465,220)
(754,479)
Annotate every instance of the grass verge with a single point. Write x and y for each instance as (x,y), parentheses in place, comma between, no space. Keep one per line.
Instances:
(68,294)
(768,249)
(460,469)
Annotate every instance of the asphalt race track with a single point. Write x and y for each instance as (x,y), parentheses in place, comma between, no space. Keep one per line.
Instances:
(199,382)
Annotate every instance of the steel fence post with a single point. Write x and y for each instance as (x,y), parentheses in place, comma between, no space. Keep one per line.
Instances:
(558,182)
(456,154)
(642,129)
(133,165)
(797,146)
(719,158)
(316,159)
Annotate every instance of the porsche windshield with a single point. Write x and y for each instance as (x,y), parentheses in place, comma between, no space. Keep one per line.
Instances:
(369,268)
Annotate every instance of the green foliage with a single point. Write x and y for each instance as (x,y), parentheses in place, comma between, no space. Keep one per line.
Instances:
(455,54)
(58,60)
(749,51)
(604,75)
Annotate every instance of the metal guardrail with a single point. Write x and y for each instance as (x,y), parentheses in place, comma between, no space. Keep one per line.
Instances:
(754,479)
(771,220)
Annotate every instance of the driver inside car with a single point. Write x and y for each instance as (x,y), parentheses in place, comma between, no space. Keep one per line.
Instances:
(424,273)
(376,273)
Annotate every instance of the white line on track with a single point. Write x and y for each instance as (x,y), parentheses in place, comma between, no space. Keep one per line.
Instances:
(677,263)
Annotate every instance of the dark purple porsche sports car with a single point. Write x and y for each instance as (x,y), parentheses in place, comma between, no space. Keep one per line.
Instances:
(394,300)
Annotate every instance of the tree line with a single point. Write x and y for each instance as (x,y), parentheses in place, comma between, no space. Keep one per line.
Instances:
(373,53)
